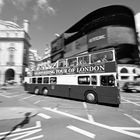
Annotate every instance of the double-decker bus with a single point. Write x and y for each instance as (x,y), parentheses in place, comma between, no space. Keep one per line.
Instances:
(90,77)
(109,30)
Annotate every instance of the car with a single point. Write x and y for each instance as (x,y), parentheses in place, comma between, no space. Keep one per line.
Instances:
(131,86)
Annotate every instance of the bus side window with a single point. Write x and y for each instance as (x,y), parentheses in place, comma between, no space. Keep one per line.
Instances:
(39,80)
(84,80)
(94,80)
(33,80)
(46,80)
(53,80)
(107,80)
(72,61)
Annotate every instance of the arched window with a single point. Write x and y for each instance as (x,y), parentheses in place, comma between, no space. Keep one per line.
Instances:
(124,70)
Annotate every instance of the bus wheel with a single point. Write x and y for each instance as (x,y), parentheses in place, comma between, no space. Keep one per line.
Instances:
(36,91)
(91,97)
(45,91)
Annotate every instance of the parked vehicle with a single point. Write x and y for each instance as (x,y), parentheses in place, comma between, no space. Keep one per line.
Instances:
(131,86)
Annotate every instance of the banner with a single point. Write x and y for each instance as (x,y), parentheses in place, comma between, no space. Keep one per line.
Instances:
(97,39)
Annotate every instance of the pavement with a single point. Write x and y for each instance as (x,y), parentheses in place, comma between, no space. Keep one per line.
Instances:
(13,109)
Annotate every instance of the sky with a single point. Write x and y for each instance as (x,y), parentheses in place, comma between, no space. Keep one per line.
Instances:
(48,17)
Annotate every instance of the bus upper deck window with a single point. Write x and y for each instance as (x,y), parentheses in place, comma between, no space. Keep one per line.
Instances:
(94,80)
(83,60)
(72,61)
(62,63)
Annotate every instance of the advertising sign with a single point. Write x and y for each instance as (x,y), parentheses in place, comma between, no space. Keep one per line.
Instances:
(97,39)
(94,68)
(76,47)
(57,45)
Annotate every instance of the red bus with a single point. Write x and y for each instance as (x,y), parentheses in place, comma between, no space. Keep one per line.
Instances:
(89,77)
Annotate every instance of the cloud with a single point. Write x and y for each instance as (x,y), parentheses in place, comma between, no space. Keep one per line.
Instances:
(20,4)
(42,6)
(38,6)
(1,5)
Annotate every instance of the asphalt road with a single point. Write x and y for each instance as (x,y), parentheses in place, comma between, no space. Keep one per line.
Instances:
(34,117)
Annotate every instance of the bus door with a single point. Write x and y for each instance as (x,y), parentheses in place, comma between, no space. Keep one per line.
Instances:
(108,90)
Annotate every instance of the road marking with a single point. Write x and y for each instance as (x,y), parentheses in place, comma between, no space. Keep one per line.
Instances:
(131,102)
(16,95)
(44,116)
(129,128)
(94,123)
(38,125)
(128,102)
(85,105)
(131,117)
(38,101)
(81,131)
(134,95)
(131,98)
(27,97)
(5,96)
(20,133)
(35,138)
(90,117)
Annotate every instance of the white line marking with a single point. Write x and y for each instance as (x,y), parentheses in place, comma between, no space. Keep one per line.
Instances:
(27,97)
(134,95)
(94,123)
(38,125)
(34,138)
(24,134)
(129,128)
(85,105)
(4,96)
(131,102)
(135,120)
(90,117)
(16,95)
(128,98)
(44,116)
(81,131)
(38,101)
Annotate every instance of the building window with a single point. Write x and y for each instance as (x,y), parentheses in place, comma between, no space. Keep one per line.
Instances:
(124,70)
(11,56)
